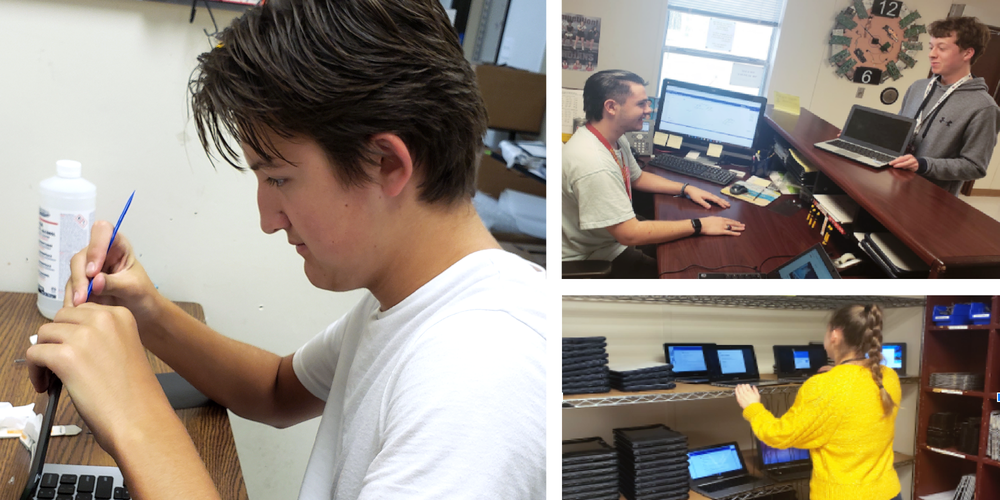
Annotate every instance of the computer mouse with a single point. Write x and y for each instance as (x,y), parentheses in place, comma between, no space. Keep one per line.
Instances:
(737,189)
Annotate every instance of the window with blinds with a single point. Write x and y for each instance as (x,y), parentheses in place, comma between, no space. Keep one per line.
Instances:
(727,44)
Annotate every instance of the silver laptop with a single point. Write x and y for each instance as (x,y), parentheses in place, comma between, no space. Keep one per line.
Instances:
(871,137)
(718,471)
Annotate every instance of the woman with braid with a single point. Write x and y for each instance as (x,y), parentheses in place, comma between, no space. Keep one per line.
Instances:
(845,417)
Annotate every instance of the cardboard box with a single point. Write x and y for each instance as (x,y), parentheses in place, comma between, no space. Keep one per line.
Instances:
(515,98)
(494,177)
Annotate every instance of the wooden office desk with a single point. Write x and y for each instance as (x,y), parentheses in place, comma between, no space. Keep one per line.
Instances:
(768,235)
(949,235)
(208,426)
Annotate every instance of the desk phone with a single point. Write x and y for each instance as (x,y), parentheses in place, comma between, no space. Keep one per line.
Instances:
(642,141)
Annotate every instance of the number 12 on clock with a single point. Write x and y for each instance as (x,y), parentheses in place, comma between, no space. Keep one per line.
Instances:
(887,8)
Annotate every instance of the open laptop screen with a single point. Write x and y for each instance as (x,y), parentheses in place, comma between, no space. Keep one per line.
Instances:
(732,361)
(686,359)
(714,461)
(878,129)
(811,264)
(801,359)
(772,456)
(892,356)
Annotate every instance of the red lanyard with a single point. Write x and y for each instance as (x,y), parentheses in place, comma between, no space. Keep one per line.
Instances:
(625,172)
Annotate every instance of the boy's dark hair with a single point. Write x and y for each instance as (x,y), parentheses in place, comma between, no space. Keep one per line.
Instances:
(604,85)
(968,31)
(340,72)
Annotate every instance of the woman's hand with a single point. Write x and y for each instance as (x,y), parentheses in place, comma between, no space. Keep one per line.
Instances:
(747,395)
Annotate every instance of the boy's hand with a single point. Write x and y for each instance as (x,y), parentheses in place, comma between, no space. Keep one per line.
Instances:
(118,277)
(96,352)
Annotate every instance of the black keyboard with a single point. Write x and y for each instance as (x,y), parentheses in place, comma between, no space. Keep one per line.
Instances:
(71,487)
(728,483)
(733,276)
(701,171)
(870,153)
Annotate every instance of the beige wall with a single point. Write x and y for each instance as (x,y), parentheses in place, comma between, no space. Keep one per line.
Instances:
(636,332)
(631,38)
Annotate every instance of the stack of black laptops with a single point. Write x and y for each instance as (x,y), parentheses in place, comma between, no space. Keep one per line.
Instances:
(718,471)
(796,363)
(791,464)
(647,378)
(585,365)
(589,470)
(652,463)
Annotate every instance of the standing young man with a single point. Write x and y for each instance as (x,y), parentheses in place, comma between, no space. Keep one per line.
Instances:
(957,119)
(599,172)
(363,124)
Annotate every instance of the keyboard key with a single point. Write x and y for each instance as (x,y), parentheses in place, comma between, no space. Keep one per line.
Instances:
(66,489)
(67,479)
(84,496)
(105,487)
(121,494)
(64,497)
(49,481)
(86,484)
(46,493)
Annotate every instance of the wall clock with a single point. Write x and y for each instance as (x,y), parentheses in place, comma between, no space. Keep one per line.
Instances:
(873,40)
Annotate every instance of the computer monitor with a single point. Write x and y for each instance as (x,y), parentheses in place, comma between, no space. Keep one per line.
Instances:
(707,115)
(894,356)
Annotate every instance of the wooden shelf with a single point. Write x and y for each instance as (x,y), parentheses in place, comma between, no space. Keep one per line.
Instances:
(955,392)
(963,328)
(951,452)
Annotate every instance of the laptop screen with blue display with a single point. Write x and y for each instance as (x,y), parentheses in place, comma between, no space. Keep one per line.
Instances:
(801,359)
(773,456)
(687,359)
(892,356)
(732,361)
(714,461)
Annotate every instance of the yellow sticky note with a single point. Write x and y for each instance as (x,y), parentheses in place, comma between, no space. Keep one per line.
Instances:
(660,139)
(715,150)
(693,155)
(675,141)
(786,102)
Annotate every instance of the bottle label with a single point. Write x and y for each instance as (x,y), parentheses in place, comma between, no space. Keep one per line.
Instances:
(60,236)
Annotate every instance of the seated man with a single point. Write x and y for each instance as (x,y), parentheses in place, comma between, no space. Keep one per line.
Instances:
(957,119)
(599,172)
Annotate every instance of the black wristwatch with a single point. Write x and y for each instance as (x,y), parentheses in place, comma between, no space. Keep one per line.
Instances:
(696,223)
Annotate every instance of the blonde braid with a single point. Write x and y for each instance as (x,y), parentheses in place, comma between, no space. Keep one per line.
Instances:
(872,338)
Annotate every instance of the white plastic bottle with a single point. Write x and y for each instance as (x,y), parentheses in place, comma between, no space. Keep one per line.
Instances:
(65,216)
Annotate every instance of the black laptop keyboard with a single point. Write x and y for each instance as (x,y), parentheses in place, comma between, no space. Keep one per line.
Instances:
(854,148)
(733,276)
(728,483)
(72,487)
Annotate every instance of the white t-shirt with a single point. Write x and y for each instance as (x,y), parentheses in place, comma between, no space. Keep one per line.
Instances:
(441,396)
(594,196)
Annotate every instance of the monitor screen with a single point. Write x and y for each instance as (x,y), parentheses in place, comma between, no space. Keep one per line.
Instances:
(892,356)
(773,456)
(731,361)
(801,358)
(709,114)
(687,358)
(889,132)
(713,461)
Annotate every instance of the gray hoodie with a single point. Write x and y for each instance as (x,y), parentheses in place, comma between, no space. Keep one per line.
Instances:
(956,143)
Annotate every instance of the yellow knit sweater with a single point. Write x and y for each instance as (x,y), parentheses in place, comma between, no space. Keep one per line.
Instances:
(837,416)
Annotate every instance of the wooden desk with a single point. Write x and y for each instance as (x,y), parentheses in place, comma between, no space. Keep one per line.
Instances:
(953,238)
(208,426)
(768,234)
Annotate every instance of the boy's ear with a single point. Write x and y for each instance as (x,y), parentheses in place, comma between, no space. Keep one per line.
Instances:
(395,166)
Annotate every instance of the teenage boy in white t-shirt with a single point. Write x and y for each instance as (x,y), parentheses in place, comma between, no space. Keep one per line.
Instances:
(362,122)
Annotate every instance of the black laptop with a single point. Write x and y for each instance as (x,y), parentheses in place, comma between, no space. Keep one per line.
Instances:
(46,481)
(692,363)
(737,364)
(814,263)
(718,471)
(791,464)
(872,137)
(796,363)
